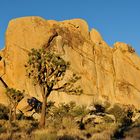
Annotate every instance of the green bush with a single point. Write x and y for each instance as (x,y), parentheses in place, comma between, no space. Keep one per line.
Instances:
(2,129)
(79,111)
(4,112)
(67,110)
(118,112)
(59,111)
(124,121)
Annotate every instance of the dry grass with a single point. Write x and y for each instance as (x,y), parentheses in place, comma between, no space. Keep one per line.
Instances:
(44,134)
(64,122)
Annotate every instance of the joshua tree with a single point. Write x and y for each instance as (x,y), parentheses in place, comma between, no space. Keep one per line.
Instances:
(47,69)
(15,96)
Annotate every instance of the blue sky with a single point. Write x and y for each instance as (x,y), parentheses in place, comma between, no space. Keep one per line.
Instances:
(116,20)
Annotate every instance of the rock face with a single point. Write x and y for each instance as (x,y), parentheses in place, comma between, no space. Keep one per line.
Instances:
(111,74)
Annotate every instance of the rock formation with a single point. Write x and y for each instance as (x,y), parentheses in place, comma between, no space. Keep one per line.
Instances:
(108,74)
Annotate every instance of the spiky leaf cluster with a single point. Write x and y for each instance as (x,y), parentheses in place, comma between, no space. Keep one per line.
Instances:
(14,95)
(45,68)
(69,87)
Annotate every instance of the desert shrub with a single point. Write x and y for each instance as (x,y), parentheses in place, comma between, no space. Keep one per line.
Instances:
(59,111)
(118,112)
(102,130)
(122,114)
(125,123)
(79,111)
(63,119)
(55,115)
(127,119)
(2,129)
(59,115)
(67,110)
(27,126)
(4,112)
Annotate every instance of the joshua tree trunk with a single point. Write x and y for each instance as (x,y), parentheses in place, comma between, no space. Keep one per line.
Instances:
(43,113)
(10,115)
(10,123)
(45,93)
(14,115)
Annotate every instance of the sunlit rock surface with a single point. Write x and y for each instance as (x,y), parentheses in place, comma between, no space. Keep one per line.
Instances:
(108,74)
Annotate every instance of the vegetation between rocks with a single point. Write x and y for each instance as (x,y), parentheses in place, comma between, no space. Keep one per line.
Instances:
(69,121)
